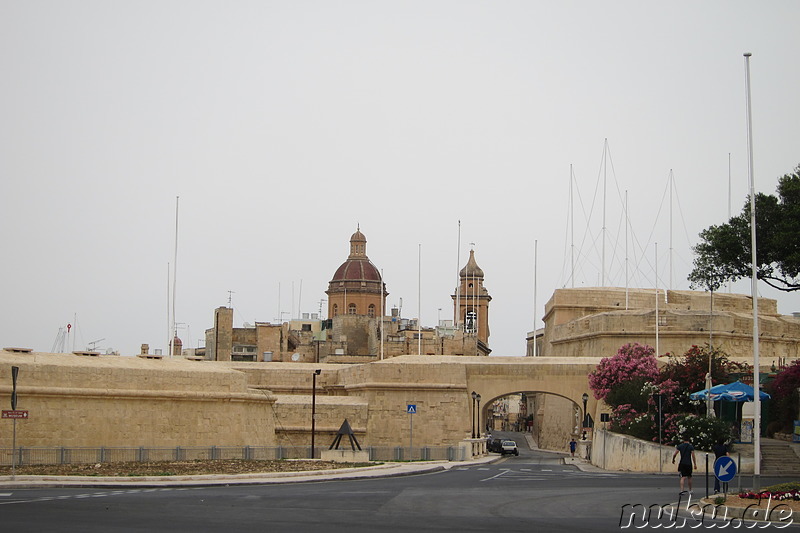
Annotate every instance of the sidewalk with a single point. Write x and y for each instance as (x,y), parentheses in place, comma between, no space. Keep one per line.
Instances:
(582,464)
(380,470)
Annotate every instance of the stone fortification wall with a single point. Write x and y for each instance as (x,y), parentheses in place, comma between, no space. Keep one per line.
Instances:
(555,422)
(129,402)
(594,322)
(293,419)
(438,389)
(373,397)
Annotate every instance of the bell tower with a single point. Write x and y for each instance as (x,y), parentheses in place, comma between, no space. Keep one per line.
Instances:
(471,301)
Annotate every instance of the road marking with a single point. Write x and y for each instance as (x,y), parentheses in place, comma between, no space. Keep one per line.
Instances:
(5,494)
(506,471)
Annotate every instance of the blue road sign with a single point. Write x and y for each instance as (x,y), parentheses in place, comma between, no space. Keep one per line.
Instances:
(411,409)
(724,468)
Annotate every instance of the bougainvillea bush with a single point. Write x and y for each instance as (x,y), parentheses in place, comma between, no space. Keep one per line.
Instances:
(784,395)
(690,371)
(632,361)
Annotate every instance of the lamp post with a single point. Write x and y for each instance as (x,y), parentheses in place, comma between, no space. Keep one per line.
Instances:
(474,395)
(478,415)
(313,408)
(585,399)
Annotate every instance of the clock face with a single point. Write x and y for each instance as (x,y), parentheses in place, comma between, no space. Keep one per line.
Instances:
(295,357)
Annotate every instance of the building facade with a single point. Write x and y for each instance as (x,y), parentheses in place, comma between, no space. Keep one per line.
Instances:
(358,328)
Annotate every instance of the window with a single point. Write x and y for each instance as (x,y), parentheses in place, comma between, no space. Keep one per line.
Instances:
(470,325)
(371,311)
(335,309)
(351,309)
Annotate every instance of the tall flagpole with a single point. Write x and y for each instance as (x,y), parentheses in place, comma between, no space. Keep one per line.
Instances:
(535,266)
(457,310)
(753,286)
(173,333)
(656,266)
(571,230)
(419,301)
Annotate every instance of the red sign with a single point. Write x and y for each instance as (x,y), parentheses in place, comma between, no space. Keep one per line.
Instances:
(17,413)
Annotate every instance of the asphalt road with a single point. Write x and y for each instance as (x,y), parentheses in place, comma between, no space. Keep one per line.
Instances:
(532,492)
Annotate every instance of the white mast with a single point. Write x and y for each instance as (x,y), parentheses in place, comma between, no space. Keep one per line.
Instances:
(383,313)
(457,312)
(571,230)
(603,232)
(671,184)
(729,201)
(753,286)
(173,332)
(626,249)
(419,300)
(656,267)
(535,266)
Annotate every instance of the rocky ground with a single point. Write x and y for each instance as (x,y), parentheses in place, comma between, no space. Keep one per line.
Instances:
(179,468)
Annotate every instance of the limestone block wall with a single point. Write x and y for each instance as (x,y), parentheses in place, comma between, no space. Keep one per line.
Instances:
(437,389)
(555,422)
(129,402)
(293,419)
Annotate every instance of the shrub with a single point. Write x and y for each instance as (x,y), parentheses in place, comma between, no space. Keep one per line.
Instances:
(631,361)
(784,395)
(701,431)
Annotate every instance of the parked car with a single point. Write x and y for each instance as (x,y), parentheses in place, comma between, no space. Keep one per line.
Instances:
(509,446)
(495,445)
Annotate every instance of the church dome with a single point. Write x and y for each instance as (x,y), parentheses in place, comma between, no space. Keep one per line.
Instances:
(471,270)
(357,270)
(357,267)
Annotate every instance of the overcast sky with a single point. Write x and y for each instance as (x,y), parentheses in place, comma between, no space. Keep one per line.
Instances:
(284,125)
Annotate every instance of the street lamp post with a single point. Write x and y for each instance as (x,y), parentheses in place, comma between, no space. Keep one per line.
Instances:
(478,415)
(313,408)
(585,399)
(474,395)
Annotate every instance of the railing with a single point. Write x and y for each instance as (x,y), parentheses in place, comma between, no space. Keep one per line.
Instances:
(65,455)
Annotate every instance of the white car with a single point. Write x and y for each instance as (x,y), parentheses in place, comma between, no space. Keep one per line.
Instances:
(509,446)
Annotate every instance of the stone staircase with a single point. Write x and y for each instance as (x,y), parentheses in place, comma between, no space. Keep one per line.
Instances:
(779,458)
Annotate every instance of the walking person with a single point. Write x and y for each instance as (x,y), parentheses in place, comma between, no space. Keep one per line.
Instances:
(720,450)
(573,446)
(686,463)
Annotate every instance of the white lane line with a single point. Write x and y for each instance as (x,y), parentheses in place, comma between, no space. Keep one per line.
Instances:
(5,494)
(496,476)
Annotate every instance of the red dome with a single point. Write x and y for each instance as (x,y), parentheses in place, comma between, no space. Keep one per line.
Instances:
(357,270)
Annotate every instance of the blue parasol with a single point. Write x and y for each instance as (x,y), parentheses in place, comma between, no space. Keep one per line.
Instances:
(731,392)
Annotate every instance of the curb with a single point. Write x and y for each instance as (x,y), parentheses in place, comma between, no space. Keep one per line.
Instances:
(384,470)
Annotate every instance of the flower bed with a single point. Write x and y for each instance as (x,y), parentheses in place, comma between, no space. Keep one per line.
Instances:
(778,495)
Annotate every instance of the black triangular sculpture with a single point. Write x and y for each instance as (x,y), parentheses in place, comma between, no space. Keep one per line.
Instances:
(345,430)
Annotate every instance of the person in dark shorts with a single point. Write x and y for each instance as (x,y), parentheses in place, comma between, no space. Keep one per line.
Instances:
(686,463)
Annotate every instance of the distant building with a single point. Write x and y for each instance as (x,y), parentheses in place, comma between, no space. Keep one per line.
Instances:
(358,328)
(597,321)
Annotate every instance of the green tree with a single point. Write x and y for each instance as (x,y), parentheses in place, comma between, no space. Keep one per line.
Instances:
(724,253)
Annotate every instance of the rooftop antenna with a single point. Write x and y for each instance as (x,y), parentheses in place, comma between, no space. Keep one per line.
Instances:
(230,299)
(92,346)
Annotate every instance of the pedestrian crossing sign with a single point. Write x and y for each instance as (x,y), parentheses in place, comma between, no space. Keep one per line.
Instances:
(411,409)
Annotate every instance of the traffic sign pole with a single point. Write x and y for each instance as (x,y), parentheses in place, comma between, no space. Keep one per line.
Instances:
(411,409)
